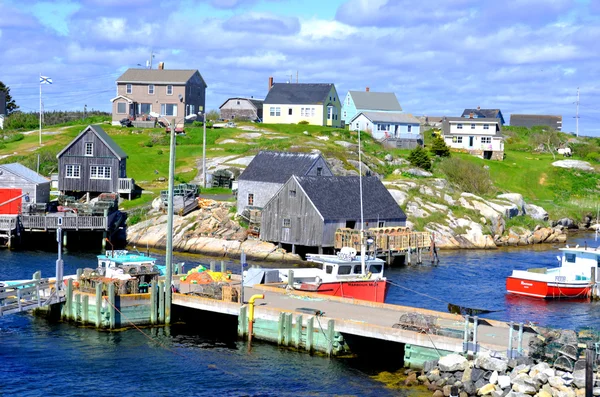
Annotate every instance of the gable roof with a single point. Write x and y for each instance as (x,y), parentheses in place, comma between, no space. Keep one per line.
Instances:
(162,76)
(387,117)
(338,197)
(103,136)
(129,100)
(257,103)
(375,100)
(24,172)
(531,120)
(278,167)
(481,113)
(446,121)
(298,94)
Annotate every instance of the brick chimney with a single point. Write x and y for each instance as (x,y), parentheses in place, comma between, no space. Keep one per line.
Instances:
(161,66)
(367,89)
(478,108)
(270,83)
(471,115)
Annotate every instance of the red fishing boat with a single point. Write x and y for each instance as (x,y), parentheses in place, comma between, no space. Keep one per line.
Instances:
(571,279)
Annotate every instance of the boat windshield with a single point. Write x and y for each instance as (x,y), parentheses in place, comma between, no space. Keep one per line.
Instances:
(344,269)
(375,268)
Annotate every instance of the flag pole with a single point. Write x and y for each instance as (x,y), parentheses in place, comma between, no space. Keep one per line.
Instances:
(40,109)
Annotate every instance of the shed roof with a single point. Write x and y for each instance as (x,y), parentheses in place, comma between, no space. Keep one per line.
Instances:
(375,100)
(278,167)
(164,76)
(530,120)
(338,197)
(103,136)
(24,172)
(389,117)
(298,94)
(258,103)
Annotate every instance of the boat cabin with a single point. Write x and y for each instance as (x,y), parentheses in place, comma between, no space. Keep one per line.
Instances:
(123,264)
(577,263)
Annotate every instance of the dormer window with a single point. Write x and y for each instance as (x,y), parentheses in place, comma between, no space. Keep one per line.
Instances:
(169,90)
(128,89)
(151,89)
(89,149)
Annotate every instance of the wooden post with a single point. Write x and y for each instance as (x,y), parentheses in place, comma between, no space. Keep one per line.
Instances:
(77,312)
(590,355)
(593,283)
(330,336)
(243,321)
(153,303)
(290,278)
(223,267)
(111,305)
(69,301)
(466,335)
(98,304)
(161,302)
(84,309)
(510,340)
(288,329)
(280,328)
(309,333)
(213,266)
(79,273)
(298,331)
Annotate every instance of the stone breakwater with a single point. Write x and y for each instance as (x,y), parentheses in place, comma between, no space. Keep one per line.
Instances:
(489,376)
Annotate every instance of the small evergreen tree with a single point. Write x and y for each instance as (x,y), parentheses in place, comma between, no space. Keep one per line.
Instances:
(419,158)
(439,147)
(11,106)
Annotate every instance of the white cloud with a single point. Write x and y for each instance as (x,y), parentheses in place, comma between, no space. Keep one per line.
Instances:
(317,29)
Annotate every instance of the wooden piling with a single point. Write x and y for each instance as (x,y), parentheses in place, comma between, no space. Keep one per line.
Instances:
(98,304)
(161,302)
(280,328)
(330,336)
(593,290)
(310,322)
(77,311)
(111,305)
(288,329)
(590,355)
(153,303)
(68,313)
(298,331)
(213,266)
(223,267)
(243,322)
(85,306)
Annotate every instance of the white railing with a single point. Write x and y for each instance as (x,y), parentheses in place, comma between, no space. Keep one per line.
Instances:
(64,222)
(126,185)
(8,222)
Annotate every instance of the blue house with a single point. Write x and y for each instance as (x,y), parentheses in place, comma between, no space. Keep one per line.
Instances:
(398,130)
(480,113)
(367,101)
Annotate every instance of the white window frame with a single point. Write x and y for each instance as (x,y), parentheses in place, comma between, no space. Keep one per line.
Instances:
(250,198)
(100,172)
(90,152)
(139,108)
(472,126)
(73,171)
(163,109)
(457,139)
(409,128)
(486,126)
(124,108)
(312,112)
(459,126)
(486,139)
(278,111)
(150,89)
(287,222)
(168,88)
(128,88)
(272,111)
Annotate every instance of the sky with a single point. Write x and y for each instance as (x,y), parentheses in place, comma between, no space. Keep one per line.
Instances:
(520,56)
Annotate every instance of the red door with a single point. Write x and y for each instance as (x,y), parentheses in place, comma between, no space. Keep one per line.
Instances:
(11,208)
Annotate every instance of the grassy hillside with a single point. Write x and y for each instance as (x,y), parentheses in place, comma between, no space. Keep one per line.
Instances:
(525,171)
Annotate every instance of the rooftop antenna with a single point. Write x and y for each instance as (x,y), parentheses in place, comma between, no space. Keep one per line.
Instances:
(149,62)
(577,114)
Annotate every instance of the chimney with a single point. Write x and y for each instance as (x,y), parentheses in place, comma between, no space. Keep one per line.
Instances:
(367,89)
(471,115)
(270,83)
(161,66)
(478,108)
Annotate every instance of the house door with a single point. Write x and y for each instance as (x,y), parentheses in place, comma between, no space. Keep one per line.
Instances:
(396,131)
(471,139)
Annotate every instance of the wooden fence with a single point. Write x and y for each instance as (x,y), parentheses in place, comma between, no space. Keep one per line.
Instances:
(70,222)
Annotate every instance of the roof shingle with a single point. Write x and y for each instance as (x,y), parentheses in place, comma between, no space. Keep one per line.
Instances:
(278,167)
(163,76)
(24,172)
(375,100)
(298,94)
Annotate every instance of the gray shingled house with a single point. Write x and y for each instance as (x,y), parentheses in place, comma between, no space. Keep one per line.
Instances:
(93,163)
(533,120)
(19,185)
(242,109)
(480,113)
(307,210)
(268,171)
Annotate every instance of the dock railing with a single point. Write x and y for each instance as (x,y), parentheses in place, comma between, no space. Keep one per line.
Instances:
(8,222)
(126,185)
(73,222)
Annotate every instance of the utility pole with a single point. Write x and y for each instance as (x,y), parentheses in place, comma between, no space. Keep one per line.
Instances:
(169,253)
(204,152)
(577,114)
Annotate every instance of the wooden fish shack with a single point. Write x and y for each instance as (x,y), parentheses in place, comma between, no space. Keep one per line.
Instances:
(390,243)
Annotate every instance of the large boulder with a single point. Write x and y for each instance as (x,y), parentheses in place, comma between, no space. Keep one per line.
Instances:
(516,199)
(485,361)
(399,196)
(576,164)
(419,172)
(524,384)
(453,362)
(536,212)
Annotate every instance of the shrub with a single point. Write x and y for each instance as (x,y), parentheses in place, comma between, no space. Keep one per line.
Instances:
(303,122)
(439,147)
(418,157)
(197,123)
(583,149)
(159,152)
(593,156)
(467,176)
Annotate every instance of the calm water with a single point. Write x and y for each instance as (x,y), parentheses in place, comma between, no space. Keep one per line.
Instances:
(40,358)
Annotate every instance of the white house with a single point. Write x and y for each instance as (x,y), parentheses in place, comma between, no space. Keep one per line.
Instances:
(401,130)
(481,137)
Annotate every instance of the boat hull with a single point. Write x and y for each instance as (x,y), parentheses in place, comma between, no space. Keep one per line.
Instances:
(368,290)
(547,289)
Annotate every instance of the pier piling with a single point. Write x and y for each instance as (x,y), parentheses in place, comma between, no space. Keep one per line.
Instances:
(98,304)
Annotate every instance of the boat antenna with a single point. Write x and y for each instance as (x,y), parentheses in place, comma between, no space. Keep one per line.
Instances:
(362,232)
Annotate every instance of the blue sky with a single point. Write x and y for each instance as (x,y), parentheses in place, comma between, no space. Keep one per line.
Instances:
(522,56)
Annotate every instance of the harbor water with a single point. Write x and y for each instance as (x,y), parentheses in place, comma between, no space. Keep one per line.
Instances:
(42,358)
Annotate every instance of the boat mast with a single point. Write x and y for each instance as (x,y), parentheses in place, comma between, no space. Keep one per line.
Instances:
(362,232)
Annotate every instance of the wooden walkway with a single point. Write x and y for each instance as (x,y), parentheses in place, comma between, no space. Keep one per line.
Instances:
(16,297)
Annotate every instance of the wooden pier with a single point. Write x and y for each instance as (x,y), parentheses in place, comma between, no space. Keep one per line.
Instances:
(27,295)
(390,242)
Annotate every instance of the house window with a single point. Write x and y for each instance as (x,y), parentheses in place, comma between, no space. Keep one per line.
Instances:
(128,88)
(250,198)
(329,113)
(301,112)
(73,171)
(333,99)
(381,224)
(144,108)
(287,222)
(292,193)
(570,258)
(121,107)
(409,128)
(238,102)
(151,89)
(312,112)
(319,171)
(289,111)
(383,127)
(272,111)
(472,126)
(168,109)
(486,126)
(486,139)
(89,149)
(99,172)
(169,90)
(348,100)
(459,126)
(457,139)
(345,114)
